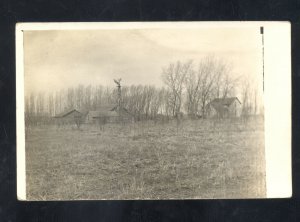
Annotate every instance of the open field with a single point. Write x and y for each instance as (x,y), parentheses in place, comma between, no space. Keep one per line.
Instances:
(201,159)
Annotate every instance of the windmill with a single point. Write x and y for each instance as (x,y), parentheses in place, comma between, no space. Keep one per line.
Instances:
(118,82)
(119,99)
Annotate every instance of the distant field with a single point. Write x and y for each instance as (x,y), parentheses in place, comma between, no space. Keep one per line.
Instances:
(201,159)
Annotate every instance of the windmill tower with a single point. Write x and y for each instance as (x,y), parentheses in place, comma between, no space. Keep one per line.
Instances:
(119,97)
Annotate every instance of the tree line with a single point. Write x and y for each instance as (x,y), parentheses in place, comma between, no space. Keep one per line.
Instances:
(188,87)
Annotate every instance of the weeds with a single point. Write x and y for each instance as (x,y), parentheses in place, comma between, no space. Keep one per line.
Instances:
(155,162)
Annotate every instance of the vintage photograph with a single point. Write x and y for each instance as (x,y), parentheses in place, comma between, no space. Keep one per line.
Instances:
(145,112)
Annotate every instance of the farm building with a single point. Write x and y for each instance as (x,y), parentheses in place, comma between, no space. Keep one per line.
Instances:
(108,114)
(68,117)
(224,107)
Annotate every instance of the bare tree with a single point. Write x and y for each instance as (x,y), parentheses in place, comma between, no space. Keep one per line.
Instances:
(58,102)
(225,84)
(156,104)
(255,102)
(98,96)
(71,98)
(207,76)
(51,104)
(138,100)
(174,76)
(40,103)
(215,81)
(251,104)
(87,97)
(32,104)
(79,96)
(192,84)
(246,98)
(185,85)
(149,92)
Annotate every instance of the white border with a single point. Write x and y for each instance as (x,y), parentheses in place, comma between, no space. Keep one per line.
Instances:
(277,98)
(20,118)
(277,94)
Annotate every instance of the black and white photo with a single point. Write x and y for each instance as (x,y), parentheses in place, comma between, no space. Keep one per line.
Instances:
(152,110)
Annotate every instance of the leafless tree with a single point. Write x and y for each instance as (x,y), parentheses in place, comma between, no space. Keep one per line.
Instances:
(246,99)
(207,76)
(156,103)
(211,80)
(79,96)
(186,83)
(174,76)
(87,97)
(149,92)
(250,101)
(51,104)
(192,84)
(58,102)
(98,97)
(70,98)
(225,84)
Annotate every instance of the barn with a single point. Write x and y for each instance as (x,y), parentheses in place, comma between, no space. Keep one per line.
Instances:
(108,114)
(224,107)
(68,117)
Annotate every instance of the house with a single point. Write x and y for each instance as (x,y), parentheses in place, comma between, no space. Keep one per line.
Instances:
(108,114)
(224,107)
(68,117)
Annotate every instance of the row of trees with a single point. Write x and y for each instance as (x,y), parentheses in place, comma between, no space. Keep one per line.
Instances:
(80,97)
(143,101)
(199,82)
(189,87)
(192,86)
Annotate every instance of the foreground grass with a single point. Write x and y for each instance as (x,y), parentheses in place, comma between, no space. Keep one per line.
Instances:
(200,160)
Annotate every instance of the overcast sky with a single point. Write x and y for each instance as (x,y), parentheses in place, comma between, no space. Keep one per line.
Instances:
(60,59)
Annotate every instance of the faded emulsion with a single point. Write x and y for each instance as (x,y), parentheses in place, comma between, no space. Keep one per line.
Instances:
(156,113)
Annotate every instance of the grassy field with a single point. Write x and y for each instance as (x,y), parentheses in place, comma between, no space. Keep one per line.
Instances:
(202,159)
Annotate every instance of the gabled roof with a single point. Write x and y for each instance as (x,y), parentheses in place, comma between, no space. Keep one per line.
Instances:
(108,111)
(221,105)
(102,113)
(105,106)
(123,110)
(224,101)
(66,113)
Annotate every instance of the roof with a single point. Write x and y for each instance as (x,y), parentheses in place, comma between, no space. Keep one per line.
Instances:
(66,113)
(221,105)
(224,101)
(84,112)
(102,113)
(123,110)
(105,106)
(108,111)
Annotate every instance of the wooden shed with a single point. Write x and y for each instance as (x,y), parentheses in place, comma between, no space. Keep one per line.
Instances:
(224,107)
(68,117)
(108,114)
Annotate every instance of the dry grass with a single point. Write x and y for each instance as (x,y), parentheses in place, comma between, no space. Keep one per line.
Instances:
(204,159)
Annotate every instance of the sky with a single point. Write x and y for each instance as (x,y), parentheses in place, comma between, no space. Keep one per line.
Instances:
(58,59)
